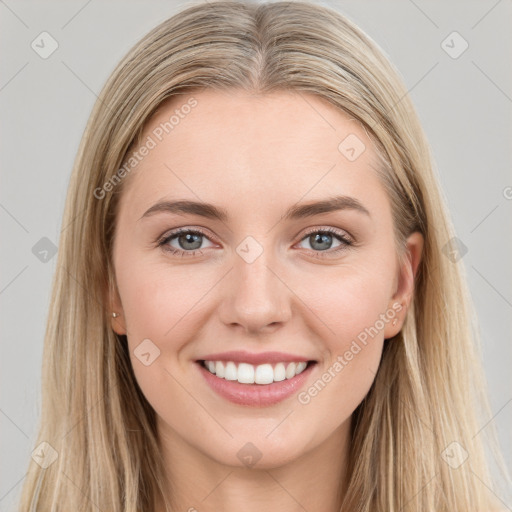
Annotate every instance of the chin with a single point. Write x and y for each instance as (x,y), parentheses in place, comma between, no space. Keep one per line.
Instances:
(257,454)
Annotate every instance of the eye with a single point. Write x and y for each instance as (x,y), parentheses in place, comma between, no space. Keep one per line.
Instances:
(321,241)
(188,240)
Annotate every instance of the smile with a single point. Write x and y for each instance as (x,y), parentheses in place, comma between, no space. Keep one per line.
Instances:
(246,373)
(255,380)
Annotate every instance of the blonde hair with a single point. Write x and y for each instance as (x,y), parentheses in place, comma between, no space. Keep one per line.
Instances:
(430,390)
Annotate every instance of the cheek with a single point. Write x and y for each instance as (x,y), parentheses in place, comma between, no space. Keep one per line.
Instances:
(350,301)
(352,307)
(162,305)
(167,307)
(159,302)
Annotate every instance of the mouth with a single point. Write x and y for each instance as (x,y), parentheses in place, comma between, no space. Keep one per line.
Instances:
(262,374)
(257,385)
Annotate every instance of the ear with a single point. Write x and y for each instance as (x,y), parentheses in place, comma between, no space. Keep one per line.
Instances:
(404,293)
(115,306)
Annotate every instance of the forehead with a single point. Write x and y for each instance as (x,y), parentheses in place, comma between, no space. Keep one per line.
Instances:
(234,146)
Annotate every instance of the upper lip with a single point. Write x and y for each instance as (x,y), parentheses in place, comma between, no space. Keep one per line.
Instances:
(240,356)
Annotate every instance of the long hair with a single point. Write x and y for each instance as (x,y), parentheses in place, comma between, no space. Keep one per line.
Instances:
(428,401)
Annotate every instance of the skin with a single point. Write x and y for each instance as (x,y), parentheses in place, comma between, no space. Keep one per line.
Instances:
(256,156)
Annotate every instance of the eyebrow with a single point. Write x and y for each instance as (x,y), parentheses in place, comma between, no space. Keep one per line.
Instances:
(295,212)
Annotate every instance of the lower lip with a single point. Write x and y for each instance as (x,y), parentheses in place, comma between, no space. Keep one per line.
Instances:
(256,395)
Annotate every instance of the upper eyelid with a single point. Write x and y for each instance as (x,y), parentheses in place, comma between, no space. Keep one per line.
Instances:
(175,232)
(330,230)
(204,232)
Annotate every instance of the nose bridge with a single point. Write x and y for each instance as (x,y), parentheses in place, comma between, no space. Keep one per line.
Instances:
(257,297)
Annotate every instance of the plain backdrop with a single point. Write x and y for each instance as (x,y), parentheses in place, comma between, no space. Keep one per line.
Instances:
(463,98)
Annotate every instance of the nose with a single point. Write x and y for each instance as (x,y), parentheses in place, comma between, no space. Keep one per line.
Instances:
(256,299)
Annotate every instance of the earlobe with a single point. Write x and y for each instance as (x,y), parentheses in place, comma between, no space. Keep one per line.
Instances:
(115,310)
(396,315)
(117,323)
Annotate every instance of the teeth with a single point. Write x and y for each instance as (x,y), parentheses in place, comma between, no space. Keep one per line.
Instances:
(279,372)
(249,374)
(245,373)
(264,374)
(300,367)
(290,370)
(219,369)
(231,371)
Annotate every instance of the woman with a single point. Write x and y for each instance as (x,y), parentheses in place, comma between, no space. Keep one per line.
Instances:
(252,307)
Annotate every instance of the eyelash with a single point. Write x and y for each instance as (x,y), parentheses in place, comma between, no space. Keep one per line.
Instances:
(346,242)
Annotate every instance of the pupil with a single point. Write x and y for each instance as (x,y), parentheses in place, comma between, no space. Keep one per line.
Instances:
(189,239)
(324,237)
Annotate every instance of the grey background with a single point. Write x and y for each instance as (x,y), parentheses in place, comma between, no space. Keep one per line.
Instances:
(464,104)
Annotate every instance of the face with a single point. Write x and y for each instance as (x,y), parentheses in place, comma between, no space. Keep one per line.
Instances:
(256,286)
